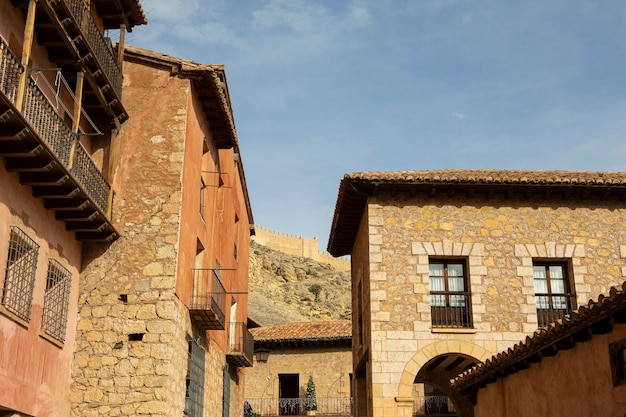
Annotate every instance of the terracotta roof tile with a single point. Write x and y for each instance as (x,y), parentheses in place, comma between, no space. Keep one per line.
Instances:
(580,325)
(322,331)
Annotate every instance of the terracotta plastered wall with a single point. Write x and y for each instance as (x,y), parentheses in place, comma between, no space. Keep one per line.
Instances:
(575,382)
(33,363)
(498,241)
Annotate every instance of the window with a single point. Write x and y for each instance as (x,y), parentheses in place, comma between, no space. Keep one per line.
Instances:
(194,398)
(617,353)
(19,280)
(202,197)
(449,295)
(56,300)
(552,293)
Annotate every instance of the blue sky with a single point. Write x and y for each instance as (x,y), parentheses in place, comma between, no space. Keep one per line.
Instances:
(323,88)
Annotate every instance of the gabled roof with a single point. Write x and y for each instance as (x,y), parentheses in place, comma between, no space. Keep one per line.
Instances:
(357,187)
(304,333)
(209,82)
(579,326)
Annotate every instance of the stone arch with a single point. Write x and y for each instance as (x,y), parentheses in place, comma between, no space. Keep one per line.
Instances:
(432,350)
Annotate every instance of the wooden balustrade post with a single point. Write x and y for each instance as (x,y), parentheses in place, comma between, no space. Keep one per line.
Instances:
(27,47)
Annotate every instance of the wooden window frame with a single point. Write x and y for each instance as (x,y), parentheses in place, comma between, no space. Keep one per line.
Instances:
(450,316)
(545,316)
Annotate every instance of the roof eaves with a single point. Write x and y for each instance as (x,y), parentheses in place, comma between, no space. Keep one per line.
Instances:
(581,325)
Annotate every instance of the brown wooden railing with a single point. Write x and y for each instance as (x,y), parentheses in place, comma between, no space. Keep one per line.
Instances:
(326,406)
(53,131)
(208,299)
(551,307)
(241,345)
(101,46)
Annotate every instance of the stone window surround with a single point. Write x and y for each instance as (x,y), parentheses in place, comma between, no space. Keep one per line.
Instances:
(476,271)
(551,250)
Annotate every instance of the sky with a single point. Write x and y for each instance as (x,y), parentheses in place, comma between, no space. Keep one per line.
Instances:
(321,88)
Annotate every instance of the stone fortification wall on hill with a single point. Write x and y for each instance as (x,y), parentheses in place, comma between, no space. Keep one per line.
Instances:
(298,246)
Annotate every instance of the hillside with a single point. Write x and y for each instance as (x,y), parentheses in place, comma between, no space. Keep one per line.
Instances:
(282,288)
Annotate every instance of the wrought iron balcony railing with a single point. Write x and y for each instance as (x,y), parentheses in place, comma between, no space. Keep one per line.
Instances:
(551,307)
(37,143)
(240,345)
(433,406)
(450,309)
(208,299)
(326,406)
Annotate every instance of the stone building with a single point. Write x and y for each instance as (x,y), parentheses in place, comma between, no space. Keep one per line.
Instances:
(60,108)
(162,310)
(297,350)
(450,267)
(573,367)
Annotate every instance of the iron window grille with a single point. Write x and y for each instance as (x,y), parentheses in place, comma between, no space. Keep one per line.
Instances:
(194,398)
(56,300)
(450,302)
(19,280)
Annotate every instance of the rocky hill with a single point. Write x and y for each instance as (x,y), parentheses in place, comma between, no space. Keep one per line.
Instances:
(285,288)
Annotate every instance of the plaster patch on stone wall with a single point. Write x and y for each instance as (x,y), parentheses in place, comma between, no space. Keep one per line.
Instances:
(157,139)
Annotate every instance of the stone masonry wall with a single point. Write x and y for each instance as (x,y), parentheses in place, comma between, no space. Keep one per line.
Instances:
(131,348)
(499,238)
(330,366)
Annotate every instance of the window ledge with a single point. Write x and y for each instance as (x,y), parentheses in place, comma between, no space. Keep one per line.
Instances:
(6,312)
(51,339)
(455,330)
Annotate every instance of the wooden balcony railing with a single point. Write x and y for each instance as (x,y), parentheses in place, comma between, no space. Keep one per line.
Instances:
(326,406)
(37,143)
(551,307)
(208,300)
(97,44)
(240,346)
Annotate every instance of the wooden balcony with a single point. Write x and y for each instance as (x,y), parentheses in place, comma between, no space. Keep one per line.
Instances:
(208,300)
(71,36)
(241,345)
(37,143)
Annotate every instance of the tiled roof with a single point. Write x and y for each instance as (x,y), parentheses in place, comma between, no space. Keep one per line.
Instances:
(579,326)
(322,332)
(492,176)
(355,188)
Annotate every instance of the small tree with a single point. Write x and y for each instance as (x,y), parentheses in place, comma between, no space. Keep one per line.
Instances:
(310,402)
(315,289)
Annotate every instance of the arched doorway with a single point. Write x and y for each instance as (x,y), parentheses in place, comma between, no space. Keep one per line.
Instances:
(432,396)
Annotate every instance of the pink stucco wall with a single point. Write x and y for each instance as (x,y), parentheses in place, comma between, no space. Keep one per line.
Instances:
(34,371)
